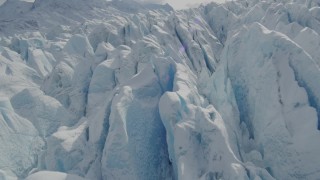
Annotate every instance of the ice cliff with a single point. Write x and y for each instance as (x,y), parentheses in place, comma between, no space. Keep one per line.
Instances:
(127,90)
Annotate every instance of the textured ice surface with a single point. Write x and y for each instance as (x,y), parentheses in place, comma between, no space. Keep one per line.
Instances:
(123,90)
(51,175)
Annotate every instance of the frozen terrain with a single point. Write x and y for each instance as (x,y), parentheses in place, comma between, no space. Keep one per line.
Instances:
(116,90)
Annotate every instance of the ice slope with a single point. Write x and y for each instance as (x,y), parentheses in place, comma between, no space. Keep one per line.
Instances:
(273,97)
(53,176)
(123,90)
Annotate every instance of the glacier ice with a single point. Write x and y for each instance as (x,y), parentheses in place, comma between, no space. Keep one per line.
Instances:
(129,90)
(51,175)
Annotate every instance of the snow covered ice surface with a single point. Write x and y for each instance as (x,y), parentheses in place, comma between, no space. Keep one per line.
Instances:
(122,90)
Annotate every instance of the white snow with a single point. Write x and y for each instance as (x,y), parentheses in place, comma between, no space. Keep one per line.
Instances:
(51,175)
(127,90)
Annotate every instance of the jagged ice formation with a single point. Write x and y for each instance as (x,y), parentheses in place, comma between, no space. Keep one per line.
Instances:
(123,90)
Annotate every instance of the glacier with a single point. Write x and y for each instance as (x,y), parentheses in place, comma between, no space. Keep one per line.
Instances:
(129,90)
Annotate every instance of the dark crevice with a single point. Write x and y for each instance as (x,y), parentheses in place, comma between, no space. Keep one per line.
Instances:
(279,89)
(115,79)
(280,99)
(172,72)
(86,92)
(270,171)
(311,96)
(8,71)
(289,18)
(136,68)
(106,126)
(247,172)
(124,35)
(206,58)
(168,86)
(185,46)
(87,134)
(241,95)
